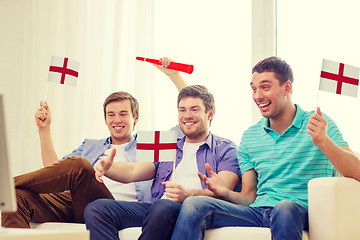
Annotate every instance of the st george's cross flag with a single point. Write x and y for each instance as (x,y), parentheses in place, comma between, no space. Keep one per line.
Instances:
(339,78)
(156,146)
(63,70)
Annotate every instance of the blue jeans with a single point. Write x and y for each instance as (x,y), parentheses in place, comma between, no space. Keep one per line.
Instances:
(105,217)
(286,220)
(160,220)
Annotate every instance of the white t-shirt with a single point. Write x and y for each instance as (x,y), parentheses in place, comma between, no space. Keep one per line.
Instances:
(186,170)
(120,191)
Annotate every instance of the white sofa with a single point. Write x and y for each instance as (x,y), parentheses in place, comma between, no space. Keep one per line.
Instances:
(333,215)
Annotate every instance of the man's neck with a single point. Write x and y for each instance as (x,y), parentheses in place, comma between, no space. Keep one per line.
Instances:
(198,139)
(282,122)
(119,142)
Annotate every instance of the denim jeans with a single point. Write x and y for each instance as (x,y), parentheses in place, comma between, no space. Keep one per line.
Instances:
(160,220)
(286,220)
(105,217)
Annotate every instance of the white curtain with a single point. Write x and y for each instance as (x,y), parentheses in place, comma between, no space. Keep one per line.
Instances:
(101,35)
(105,36)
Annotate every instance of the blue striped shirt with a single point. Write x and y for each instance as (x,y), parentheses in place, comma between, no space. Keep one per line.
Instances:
(285,163)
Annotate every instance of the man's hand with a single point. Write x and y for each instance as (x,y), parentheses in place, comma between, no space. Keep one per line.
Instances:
(215,183)
(164,64)
(317,128)
(43,116)
(175,192)
(104,165)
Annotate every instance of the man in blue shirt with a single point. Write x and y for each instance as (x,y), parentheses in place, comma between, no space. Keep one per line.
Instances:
(277,158)
(196,109)
(42,196)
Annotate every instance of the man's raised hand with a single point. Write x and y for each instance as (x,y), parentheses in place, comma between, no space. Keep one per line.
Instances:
(43,115)
(215,183)
(104,165)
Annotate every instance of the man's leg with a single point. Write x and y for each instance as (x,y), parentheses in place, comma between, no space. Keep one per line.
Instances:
(105,217)
(38,208)
(160,220)
(288,221)
(75,174)
(200,213)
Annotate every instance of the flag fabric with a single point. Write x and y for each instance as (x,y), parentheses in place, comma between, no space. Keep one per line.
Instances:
(156,146)
(63,70)
(339,78)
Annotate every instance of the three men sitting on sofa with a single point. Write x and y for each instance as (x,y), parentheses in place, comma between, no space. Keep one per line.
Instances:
(277,157)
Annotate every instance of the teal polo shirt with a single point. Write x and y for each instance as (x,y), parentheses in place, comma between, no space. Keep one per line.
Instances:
(285,163)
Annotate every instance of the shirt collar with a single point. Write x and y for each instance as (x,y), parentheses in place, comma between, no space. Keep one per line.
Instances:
(128,146)
(208,141)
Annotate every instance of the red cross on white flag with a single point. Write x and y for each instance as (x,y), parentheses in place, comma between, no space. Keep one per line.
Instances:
(156,146)
(63,70)
(339,78)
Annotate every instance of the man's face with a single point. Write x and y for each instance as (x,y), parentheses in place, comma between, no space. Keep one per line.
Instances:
(120,121)
(193,120)
(268,94)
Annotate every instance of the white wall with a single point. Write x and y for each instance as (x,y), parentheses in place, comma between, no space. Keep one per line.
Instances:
(214,36)
(309,31)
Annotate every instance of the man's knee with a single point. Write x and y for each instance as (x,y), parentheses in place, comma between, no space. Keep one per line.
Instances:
(95,209)
(164,208)
(287,210)
(78,164)
(195,204)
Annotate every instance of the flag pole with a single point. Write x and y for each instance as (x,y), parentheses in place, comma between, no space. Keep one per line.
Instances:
(317,99)
(46,90)
(173,174)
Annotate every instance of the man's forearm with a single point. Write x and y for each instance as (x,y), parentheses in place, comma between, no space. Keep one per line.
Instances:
(131,172)
(343,159)
(48,154)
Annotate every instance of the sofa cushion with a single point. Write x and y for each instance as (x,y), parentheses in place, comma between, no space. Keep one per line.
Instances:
(248,233)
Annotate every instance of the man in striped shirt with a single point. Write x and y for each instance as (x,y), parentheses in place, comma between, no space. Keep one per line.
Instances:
(277,158)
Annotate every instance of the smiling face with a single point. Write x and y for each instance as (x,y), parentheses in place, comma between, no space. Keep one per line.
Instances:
(120,121)
(193,120)
(269,95)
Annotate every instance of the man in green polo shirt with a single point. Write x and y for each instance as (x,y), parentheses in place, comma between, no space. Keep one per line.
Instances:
(277,158)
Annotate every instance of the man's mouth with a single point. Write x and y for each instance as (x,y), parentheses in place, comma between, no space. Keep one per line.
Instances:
(264,105)
(118,127)
(189,123)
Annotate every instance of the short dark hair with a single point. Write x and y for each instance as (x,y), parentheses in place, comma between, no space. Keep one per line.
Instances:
(120,96)
(279,67)
(198,91)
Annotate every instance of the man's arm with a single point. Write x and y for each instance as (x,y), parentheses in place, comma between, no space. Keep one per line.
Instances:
(217,185)
(123,171)
(43,121)
(342,158)
(174,75)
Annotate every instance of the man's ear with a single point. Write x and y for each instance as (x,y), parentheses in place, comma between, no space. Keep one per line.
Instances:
(288,87)
(211,114)
(135,121)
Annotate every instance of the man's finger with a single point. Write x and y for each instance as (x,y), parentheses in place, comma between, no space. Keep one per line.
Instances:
(209,169)
(318,111)
(112,155)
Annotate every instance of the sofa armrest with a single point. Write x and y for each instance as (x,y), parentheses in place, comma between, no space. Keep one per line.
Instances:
(334,208)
